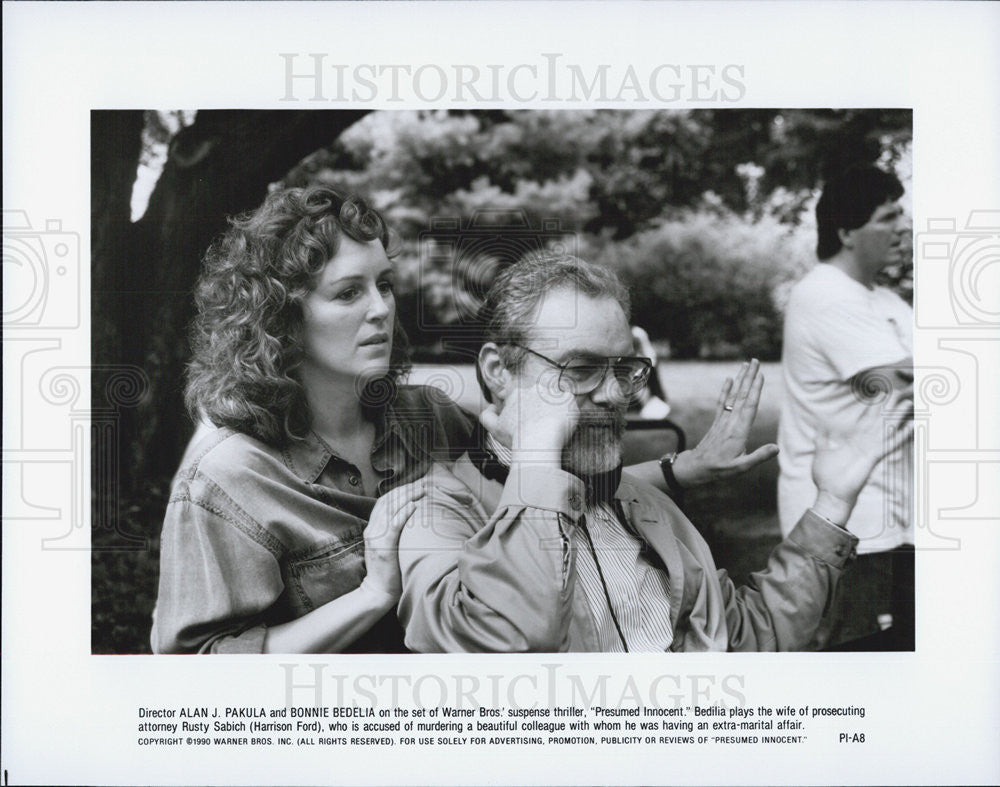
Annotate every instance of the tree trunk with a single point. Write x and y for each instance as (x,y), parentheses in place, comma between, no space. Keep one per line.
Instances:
(116,144)
(144,272)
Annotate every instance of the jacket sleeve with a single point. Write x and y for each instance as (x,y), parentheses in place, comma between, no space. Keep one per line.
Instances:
(216,582)
(502,583)
(780,607)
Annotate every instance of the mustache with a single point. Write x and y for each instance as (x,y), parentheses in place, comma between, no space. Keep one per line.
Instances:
(600,420)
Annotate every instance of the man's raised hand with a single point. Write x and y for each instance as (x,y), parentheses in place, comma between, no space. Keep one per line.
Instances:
(722,452)
(844,459)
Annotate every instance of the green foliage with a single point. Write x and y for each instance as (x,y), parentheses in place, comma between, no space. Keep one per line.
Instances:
(707,213)
(125,569)
(705,280)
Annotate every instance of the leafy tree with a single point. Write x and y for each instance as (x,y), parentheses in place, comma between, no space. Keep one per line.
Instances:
(603,179)
(706,282)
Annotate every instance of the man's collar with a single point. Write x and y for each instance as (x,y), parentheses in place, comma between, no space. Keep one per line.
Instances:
(492,459)
(499,450)
(484,459)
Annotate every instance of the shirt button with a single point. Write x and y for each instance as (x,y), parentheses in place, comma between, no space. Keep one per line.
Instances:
(354,480)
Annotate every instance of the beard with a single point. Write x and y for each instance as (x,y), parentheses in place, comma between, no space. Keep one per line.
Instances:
(596,444)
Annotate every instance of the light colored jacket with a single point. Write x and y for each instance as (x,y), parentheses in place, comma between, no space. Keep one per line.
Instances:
(490,567)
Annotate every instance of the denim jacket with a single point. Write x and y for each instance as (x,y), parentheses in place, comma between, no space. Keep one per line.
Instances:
(256,535)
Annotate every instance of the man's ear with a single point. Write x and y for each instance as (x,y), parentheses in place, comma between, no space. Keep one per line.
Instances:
(846,238)
(494,371)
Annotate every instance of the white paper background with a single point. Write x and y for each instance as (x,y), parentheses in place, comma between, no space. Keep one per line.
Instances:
(69,717)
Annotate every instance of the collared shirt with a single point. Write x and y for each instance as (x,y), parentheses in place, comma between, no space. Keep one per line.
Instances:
(256,535)
(627,595)
(621,584)
(483,569)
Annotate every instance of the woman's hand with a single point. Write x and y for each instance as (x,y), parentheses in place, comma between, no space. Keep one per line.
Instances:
(333,626)
(722,452)
(391,513)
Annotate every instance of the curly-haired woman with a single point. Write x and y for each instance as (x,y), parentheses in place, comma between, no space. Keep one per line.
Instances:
(297,358)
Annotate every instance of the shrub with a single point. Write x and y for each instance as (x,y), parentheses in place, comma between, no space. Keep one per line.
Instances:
(710,281)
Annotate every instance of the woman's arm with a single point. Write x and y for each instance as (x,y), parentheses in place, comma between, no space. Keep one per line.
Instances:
(332,627)
(220,575)
(335,625)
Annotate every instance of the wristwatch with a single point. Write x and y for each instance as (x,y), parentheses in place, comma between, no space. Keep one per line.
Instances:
(667,468)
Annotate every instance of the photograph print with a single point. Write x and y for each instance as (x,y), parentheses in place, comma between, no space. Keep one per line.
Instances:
(502,381)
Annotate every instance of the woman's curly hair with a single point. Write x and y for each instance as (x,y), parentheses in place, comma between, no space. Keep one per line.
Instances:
(247,337)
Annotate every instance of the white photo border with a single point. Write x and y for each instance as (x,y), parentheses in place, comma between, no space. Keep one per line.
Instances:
(931,717)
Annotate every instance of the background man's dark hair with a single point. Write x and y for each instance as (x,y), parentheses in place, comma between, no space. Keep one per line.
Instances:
(848,202)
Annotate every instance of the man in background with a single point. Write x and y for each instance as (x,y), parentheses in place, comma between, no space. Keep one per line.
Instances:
(848,344)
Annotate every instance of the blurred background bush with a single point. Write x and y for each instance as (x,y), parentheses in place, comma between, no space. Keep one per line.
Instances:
(707,214)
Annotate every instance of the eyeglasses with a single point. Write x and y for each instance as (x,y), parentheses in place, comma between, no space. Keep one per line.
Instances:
(584,375)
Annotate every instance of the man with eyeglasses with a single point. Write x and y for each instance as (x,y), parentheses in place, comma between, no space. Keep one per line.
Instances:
(535,540)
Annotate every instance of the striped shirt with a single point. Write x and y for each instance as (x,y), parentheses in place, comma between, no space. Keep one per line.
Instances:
(638,591)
